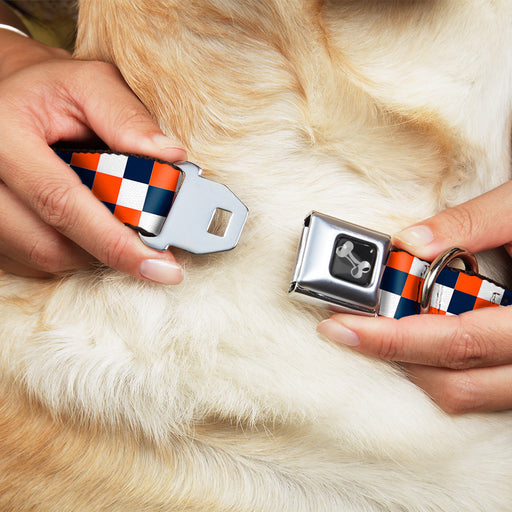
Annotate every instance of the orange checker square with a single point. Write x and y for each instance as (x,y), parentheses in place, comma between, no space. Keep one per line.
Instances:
(435,311)
(400,260)
(482,303)
(127,215)
(411,288)
(468,284)
(86,160)
(106,187)
(164,176)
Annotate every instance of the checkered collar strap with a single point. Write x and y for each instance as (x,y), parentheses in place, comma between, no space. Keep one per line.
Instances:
(454,291)
(169,204)
(137,190)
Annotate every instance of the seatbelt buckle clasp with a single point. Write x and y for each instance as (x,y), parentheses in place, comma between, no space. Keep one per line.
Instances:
(195,205)
(339,265)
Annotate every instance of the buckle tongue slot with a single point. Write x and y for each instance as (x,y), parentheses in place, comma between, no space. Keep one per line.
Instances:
(219,222)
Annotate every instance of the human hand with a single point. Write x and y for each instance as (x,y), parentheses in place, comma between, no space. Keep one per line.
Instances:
(51,222)
(463,362)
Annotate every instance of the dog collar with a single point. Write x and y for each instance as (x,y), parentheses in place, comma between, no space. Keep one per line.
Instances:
(352,269)
(169,204)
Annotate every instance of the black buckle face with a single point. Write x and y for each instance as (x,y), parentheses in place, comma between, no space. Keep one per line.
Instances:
(353,260)
(339,265)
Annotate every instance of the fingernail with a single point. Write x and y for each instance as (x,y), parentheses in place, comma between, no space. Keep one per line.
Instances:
(161,271)
(164,143)
(416,236)
(338,333)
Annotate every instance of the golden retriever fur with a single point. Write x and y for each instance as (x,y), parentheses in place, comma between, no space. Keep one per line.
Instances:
(217,394)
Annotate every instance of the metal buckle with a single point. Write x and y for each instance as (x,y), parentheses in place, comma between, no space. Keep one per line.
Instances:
(194,206)
(470,264)
(339,265)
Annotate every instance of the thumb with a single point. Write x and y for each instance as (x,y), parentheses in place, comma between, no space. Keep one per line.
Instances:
(476,225)
(119,118)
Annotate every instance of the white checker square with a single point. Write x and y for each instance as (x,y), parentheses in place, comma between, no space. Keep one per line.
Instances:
(114,165)
(491,292)
(151,223)
(441,297)
(388,303)
(132,194)
(419,268)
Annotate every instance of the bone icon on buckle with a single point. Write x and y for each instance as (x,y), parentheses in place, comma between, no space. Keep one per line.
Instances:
(339,265)
(358,267)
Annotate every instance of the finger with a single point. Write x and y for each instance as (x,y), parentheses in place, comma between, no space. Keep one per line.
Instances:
(473,339)
(15,267)
(479,224)
(56,194)
(26,240)
(463,391)
(63,99)
(118,117)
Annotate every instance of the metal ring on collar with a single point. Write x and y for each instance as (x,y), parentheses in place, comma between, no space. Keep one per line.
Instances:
(437,266)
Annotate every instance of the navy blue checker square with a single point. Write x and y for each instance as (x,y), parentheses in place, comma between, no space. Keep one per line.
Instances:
(65,155)
(448,277)
(461,302)
(86,175)
(138,169)
(158,201)
(393,280)
(110,206)
(506,300)
(406,307)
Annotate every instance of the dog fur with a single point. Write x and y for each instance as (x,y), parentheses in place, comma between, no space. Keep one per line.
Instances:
(217,394)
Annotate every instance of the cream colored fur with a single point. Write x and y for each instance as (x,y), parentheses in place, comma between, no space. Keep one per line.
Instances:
(218,395)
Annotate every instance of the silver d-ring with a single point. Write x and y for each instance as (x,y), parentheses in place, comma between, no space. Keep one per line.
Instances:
(455,253)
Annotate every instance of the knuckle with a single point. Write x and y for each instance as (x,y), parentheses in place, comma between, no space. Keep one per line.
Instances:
(389,347)
(135,116)
(54,204)
(98,69)
(460,394)
(131,118)
(465,348)
(116,249)
(44,257)
(460,220)
(79,83)
(60,53)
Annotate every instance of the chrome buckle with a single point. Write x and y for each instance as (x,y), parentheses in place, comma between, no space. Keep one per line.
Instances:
(194,206)
(339,265)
